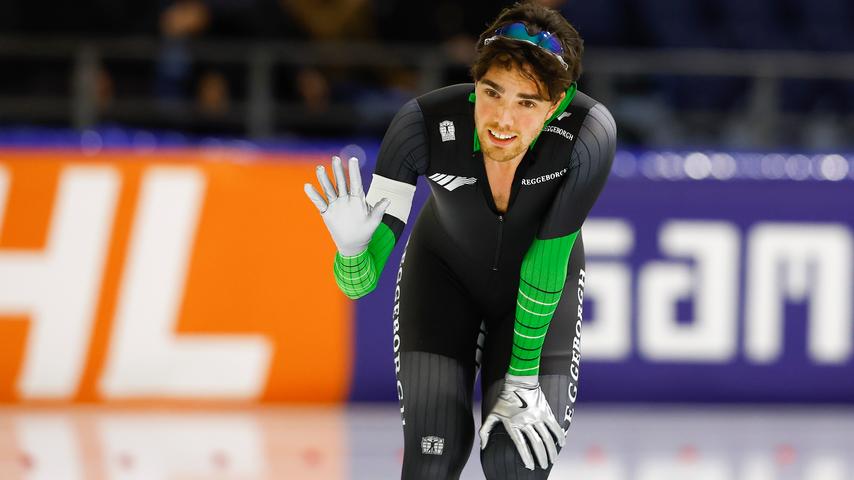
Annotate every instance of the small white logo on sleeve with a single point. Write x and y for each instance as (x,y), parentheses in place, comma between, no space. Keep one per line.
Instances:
(564,115)
(446,129)
(432,445)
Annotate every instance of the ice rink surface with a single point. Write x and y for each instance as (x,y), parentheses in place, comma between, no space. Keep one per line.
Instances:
(659,442)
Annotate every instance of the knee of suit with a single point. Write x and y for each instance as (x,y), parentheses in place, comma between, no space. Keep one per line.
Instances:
(438,425)
(432,460)
(501,460)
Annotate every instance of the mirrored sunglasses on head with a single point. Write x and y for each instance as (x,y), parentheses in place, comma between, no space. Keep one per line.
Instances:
(519,31)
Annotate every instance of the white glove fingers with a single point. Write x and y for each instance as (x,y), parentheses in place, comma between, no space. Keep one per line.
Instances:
(326,184)
(340,178)
(356,188)
(538,446)
(315,197)
(547,440)
(490,422)
(379,210)
(556,430)
(521,446)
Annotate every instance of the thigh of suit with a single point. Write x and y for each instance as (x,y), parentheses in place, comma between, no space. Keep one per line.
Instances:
(436,329)
(559,372)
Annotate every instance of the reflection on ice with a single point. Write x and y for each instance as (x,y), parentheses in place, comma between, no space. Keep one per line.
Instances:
(364,442)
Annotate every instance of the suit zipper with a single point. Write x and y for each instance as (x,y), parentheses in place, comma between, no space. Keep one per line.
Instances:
(498,247)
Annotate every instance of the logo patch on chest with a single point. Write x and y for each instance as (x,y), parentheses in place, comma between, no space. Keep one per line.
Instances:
(446,129)
(451,182)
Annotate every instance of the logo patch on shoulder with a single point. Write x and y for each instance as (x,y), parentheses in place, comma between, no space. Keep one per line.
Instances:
(446,129)
(564,115)
(432,445)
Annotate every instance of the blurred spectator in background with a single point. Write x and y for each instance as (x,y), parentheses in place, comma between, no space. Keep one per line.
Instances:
(104,89)
(827,26)
(317,88)
(180,21)
(212,95)
(309,91)
(603,23)
(313,89)
(93,18)
(340,97)
(451,27)
(333,19)
(55,19)
(676,24)
(614,24)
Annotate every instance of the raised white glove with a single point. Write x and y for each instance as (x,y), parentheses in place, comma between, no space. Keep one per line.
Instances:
(523,410)
(348,217)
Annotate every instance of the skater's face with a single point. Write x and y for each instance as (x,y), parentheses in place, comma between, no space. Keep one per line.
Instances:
(509,112)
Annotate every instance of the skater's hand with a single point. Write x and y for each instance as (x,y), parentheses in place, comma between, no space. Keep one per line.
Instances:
(524,411)
(348,217)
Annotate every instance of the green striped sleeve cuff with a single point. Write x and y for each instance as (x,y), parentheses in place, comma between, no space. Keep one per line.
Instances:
(359,274)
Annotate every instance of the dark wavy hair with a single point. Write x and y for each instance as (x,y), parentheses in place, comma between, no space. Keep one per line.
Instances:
(534,62)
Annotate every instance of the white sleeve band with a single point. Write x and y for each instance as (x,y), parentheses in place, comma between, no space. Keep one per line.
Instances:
(400,195)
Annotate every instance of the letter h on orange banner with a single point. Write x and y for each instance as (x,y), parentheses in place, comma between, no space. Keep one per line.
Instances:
(167,278)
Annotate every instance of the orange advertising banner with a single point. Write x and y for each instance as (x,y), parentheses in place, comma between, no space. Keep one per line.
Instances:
(188,275)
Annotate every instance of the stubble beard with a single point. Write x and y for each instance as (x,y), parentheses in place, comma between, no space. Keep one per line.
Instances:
(503,155)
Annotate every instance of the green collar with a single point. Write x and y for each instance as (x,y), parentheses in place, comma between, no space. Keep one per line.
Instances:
(570,94)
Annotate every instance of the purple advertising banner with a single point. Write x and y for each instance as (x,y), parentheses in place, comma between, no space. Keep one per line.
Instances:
(712,277)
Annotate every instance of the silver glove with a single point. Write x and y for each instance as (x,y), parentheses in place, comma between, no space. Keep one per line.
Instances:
(524,411)
(348,217)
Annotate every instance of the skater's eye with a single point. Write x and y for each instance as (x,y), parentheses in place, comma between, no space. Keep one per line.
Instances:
(492,93)
(528,104)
